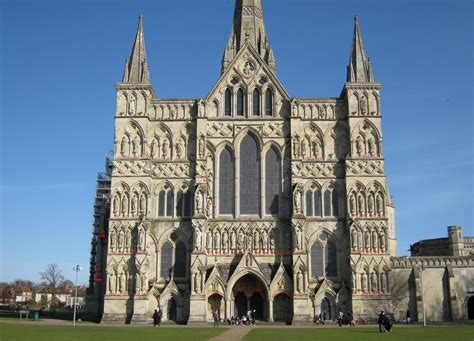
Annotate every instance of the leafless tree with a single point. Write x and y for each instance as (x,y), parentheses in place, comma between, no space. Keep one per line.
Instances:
(53,278)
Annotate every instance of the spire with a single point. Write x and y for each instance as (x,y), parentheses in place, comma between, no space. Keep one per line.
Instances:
(136,67)
(359,69)
(248,27)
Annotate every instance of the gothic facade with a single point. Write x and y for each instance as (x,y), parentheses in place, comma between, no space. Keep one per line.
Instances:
(248,198)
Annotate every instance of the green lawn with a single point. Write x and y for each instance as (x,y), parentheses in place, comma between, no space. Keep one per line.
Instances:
(456,333)
(53,333)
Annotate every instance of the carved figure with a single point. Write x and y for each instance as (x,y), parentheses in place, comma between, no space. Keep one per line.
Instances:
(303,148)
(296,148)
(134,204)
(202,147)
(371,204)
(263,240)
(136,147)
(383,282)
(363,279)
(382,241)
(123,146)
(375,241)
(112,241)
(299,239)
(197,282)
(297,201)
(144,283)
(225,241)
(116,204)
(199,200)
(299,282)
(132,102)
(361,205)
(272,240)
(165,149)
(248,240)
(120,241)
(208,240)
(179,149)
(233,238)
(122,282)
(373,282)
(197,239)
(281,284)
(153,149)
(112,282)
(316,149)
(367,239)
(371,146)
(141,240)
(379,205)
(142,204)
(256,241)
(354,239)
(127,240)
(248,260)
(363,106)
(209,206)
(217,241)
(352,204)
(359,146)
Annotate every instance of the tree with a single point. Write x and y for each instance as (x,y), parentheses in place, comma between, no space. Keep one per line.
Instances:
(53,279)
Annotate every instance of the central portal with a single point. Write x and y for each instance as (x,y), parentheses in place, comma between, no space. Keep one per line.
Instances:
(250,294)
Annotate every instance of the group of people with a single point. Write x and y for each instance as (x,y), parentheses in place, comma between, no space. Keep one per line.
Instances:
(385,325)
(346,319)
(246,320)
(157,315)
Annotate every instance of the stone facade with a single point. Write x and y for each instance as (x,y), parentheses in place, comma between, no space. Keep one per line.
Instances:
(248,198)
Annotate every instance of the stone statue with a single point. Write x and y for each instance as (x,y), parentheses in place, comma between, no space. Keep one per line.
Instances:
(225,240)
(296,148)
(363,279)
(201,109)
(122,282)
(361,205)
(112,282)
(141,240)
(263,240)
(202,147)
(375,241)
(354,282)
(233,238)
(127,240)
(367,240)
(208,240)
(137,282)
(363,106)
(352,204)
(124,204)
(248,240)
(379,205)
(116,204)
(303,148)
(382,241)
(134,204)
(371,146)
(354,239)
(294,110)
(281,284)
(144,283)
(240,240)
(112,241)
(123,146)
(297,201)
(179,149)
(209,206)
(383,282)
(298,239)
(120,241)
(316,149)
(299,281)
(165,149)
(143,204)
(217,241)
(373,282)
(199,200)
(153,149)
(359,146)
(132,102)
(248,260)
(197,239)
(371,204)
(197,282)
(271,239)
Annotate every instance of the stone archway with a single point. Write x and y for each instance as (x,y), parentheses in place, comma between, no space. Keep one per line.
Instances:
(249,293)
(282,308)
(172,310)
(470,308)
(215,302)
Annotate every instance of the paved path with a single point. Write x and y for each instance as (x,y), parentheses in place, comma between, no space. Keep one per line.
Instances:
(233,334)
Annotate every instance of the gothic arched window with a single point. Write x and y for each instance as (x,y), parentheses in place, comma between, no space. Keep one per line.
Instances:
(313,202)
(256,102)
(249,176)
(183,204)
(269,102)
(180,260)
(166,264)
(327,203)
(309,203)
(226,183)
(272,182)
(317,203)
(335,203)
(228,103)
(330,259)
(165,202)
(240,103)
(317,260)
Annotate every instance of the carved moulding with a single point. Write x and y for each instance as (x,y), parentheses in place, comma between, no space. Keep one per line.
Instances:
(158,170)
(365,167)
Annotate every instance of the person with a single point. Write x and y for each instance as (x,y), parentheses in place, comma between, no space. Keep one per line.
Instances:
(321,318)
(244,320)
(408,317)
(156,319)
(339,319)
(350,317)
(237,321)
(381,321)
(216,319)
(387,324)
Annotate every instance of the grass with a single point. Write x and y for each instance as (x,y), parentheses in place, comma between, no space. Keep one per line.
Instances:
(456,333)
(52,333)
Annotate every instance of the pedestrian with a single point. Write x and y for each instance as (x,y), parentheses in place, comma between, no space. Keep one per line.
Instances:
(155,318)
(216,319)
(382,321)
(408,317)
(339,319)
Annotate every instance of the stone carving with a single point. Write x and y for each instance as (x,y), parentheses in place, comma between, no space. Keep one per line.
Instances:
(363,106)
(122,282)
(197,239)
(199,201)
(297,200)
(112,283)
(375,241)
(363,279)
(197,282)
(202,147)
(132,105)
(281,284)
(373,282)
(248,68)
(299,282)
(220,129)
(325,170)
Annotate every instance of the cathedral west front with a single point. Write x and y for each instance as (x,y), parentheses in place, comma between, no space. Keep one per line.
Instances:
(248,198)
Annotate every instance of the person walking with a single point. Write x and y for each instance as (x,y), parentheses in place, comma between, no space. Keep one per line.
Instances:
(381,321)
(155,318)
(216,319)
(408,317)
(339,319)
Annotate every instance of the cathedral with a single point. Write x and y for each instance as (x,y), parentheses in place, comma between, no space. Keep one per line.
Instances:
(251,199)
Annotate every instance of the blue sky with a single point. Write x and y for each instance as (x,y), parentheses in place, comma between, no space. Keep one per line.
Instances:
(60,60)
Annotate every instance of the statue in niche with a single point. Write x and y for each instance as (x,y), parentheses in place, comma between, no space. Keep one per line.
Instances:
(201,109)
(225,241)
(359,146)
(240,241)
(208,240)
(299,281)
(373,282)
(158,147)
(133,205)
(281,284)
(217,241)
(248,240)
(294,110)
(137,282)
(199,200)
(354,239)
(352,204)
(132,102)
(248,260)
(202,147)
(297,201)
(367,240)
(233,238)
(116,204)
(141,240)
(124,204)
(112,240)
(256,241)
(371,146)
(382,241)
(153,149)
(363,106)
(197,282)
(303,148)
(383,282)
(375,241)
(127,240)
(354,282)
(123,146)
(120,241)
(142,204)
(263,240)
(144,283)
(122,282)
(298,239)
(371,204)
(165,149)
(197,239)
(316,148)
(209,206)
(112,276)
(296,148)
(134,146)
(271,239)
(363,279)
(361,205)
(379,205)
(179,149)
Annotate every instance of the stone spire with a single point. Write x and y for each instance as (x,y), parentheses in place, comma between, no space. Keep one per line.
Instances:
(136,67)
(359,69)
(248,27)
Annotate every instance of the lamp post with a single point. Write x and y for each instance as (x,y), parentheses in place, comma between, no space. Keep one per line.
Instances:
(423,296)
(77,268)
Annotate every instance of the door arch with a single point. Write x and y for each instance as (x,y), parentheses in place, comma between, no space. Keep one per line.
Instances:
(282,308)
(215,302)
(470,308)
(172,309)
(249,293)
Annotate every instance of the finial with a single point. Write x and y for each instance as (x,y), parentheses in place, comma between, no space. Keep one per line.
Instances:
(356,19)
(140,18)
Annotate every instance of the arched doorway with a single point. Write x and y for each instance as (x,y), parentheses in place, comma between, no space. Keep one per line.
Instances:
(326,309)
(215,302)
(172,309)
(470,308)
(282,307)
(250,294)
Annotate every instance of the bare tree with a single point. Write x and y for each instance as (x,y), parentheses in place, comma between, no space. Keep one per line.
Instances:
(53,279)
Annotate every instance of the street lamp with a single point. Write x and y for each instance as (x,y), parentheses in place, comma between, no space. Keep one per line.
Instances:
(77,268)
